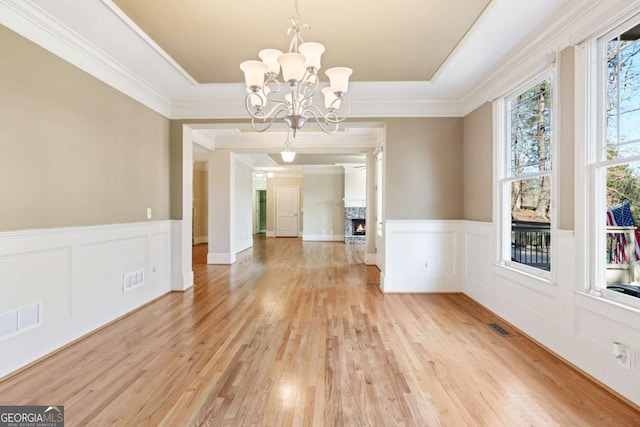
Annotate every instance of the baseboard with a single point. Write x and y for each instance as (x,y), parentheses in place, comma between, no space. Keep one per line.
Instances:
(323,237)
(220,258)
(370,259)
(188,280)
(271,233)
(200,240)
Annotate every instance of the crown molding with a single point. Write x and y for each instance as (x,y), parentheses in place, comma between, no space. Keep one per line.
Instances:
(36,25)
(322,170)
(301,142)
(120,14)
(578,22)
(366,100)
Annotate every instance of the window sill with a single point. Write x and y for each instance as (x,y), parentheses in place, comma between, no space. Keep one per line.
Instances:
(532,278)
(625,302)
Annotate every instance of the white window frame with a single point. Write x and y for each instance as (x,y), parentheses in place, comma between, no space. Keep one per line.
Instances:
(595,135)
(503,178)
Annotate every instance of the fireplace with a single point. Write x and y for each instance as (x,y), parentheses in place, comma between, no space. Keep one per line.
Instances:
(358,225)
(354,224)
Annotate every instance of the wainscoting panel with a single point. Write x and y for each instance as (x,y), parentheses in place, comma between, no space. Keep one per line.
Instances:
(82,277)
(528,298)
(477,256)
(422,256)
(559,314)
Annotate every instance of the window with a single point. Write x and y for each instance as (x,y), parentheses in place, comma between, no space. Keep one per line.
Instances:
(616,163)
(526,178)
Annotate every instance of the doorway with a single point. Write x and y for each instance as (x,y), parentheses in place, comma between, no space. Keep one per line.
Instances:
(261,211)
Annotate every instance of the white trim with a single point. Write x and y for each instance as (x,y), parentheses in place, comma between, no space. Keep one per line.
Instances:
(76,273)
(271,233)
(387,102)
(322,237)
(370,259)
(423,256)
(579,22)
(85,228)
(321,170)
(503,177)
(30,21)
(593,167)
(120,14)
(220,258)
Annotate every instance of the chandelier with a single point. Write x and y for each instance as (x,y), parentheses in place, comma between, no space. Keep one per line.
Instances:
(300,67)
(287,154)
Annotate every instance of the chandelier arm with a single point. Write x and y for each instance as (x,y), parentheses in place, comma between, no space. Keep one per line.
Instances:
(313,87)
(258,127)
(259,113)
(333,117)
(271,90)
(328,126)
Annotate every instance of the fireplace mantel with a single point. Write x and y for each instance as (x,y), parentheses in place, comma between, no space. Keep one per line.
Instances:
(354,203)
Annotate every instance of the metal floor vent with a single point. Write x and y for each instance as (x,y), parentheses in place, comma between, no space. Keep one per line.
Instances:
(500,330)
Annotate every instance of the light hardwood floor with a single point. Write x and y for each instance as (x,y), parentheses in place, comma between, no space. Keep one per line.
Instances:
(299,334)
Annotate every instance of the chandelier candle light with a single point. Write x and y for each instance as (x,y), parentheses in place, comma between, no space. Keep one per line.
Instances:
(300,72)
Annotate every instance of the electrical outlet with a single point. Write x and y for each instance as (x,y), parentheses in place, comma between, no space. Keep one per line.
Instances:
(149,216)
(623,354)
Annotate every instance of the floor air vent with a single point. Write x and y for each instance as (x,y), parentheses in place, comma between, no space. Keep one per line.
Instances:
(500,330)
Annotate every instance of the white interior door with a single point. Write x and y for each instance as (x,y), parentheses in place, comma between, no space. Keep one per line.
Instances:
(287,208)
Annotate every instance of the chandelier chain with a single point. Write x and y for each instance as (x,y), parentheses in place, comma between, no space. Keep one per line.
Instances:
(296,13)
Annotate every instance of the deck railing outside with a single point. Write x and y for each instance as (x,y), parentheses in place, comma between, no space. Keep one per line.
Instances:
(531,243)
(621,242)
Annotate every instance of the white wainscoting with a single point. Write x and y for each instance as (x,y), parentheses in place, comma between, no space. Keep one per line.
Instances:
(76,274)
(559,315)
(422,256)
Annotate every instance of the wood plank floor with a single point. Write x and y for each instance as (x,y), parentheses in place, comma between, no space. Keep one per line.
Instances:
(298,334)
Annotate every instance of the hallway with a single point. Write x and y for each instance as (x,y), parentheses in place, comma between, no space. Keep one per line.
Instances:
(298,333)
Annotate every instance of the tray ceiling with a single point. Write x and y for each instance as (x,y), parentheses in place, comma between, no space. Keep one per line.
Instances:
(382,41)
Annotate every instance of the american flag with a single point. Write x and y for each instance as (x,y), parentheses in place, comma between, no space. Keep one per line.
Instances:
(621,216)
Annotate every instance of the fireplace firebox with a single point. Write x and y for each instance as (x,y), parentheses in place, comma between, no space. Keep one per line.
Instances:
(358,226)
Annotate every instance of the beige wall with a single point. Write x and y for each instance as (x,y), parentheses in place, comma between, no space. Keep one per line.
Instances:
(478,164)
(565,162)
(323,204)
(276,182)
(200,200)
(74,151)
(423,168)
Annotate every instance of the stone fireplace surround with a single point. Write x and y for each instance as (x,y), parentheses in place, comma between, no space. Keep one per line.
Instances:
(349,214)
